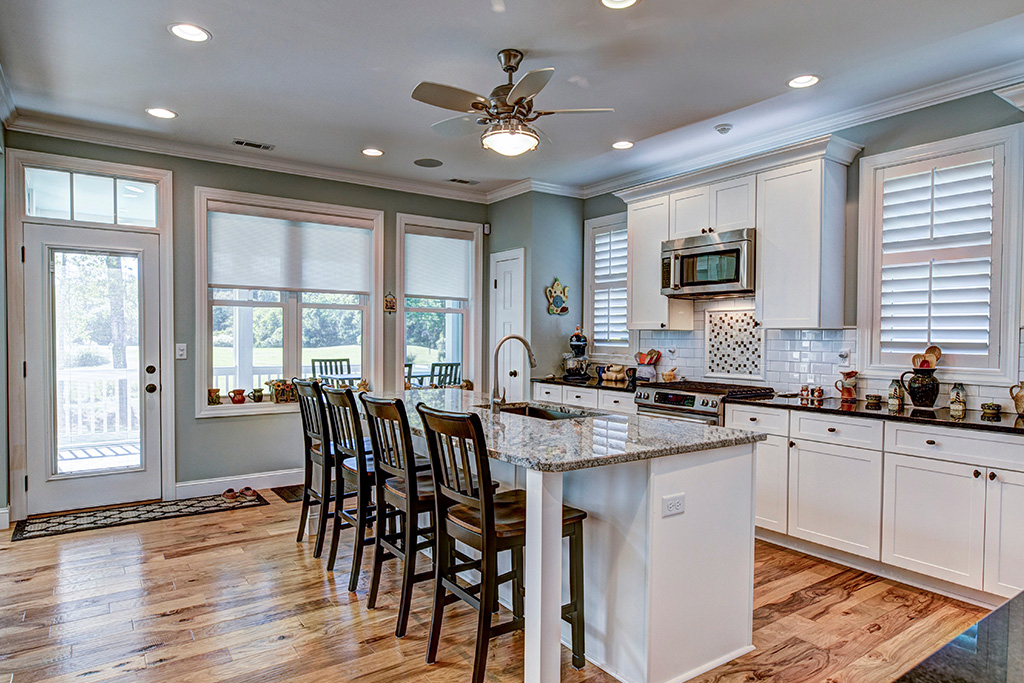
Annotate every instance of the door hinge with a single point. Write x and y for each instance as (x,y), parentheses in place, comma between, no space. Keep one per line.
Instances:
(495,284)
(24,368)
(23,254)
(26,483)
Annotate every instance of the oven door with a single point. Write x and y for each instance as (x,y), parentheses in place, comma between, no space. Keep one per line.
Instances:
(680,415)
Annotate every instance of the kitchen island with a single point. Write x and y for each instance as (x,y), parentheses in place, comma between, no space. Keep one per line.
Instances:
(668,543)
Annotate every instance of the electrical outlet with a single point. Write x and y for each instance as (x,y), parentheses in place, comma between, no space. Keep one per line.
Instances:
(180,351)
(673,505)
(844,358)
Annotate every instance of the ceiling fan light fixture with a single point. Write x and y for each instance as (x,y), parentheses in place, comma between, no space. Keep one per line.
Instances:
(618,4)
(510,138)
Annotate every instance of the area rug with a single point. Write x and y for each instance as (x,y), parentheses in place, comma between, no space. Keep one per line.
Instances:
(128,514)
(289,494)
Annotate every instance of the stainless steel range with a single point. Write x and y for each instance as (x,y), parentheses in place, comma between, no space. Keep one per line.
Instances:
(693,401)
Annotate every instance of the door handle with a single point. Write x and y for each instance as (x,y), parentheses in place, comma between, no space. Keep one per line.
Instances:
(150,388)
(513,373)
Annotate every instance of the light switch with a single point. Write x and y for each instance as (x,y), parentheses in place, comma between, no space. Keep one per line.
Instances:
(180,351)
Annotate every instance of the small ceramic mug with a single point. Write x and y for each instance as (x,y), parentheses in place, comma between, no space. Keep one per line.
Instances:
(237,395)
(256,395)
(213,397)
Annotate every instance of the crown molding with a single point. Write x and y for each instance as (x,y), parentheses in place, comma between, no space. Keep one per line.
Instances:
(7,109)
(964,86)
(74,131)
(1013,94)
(530,185)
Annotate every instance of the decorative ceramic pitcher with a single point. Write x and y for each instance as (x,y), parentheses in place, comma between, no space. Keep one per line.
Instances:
(1017,394)
(923,388)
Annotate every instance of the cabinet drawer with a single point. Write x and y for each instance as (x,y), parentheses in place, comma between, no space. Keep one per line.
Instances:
(552,393)
(768,420)
(984,449)
(846,431)
(619,401)
(582,397)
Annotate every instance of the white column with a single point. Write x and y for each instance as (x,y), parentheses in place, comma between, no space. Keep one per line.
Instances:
(543,637)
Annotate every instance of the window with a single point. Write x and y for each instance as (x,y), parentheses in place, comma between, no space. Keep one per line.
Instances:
(938,255)
(440,277)
(70,195)
(284,283)
(605,284)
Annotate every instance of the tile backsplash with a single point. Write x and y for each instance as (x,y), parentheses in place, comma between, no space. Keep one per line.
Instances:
(791,358)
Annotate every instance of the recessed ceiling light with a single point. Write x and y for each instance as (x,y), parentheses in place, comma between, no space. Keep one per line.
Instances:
(373,152)
(191,32)
(622,144)
(161,113)
(804,81)
(618,4)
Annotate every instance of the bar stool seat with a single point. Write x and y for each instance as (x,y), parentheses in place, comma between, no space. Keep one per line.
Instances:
(424,487)
(509,515)
(351,465)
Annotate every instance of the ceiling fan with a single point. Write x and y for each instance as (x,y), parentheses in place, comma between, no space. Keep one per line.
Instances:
(507,113)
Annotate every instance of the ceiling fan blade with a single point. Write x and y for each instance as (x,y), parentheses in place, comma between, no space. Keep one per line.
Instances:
(529,85)
(572,111)
(458,126)
(447,97)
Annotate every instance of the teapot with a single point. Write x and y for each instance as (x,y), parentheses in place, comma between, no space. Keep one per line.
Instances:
(1017,394)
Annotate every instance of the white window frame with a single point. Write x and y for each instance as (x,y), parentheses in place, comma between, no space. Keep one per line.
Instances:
(472,322)
(373,317)
(601,354)
(1009,141)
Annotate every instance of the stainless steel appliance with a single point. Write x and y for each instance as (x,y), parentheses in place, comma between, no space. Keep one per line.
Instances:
(702,402)
(714,264)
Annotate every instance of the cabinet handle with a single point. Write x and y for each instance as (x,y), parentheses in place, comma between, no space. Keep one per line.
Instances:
(991,476)
(977,473)
(930,442)
(578,396)
(753,419)
(832,429)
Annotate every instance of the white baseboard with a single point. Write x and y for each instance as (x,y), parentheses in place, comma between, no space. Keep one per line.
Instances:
(5,518)
(257,480)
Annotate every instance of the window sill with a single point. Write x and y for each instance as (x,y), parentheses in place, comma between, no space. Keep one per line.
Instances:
(245,409)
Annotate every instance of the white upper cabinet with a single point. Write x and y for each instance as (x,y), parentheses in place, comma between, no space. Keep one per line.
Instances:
(647,224)
(727,205)
(689,212)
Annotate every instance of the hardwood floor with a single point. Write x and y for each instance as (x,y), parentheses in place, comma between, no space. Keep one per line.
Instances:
(232,597)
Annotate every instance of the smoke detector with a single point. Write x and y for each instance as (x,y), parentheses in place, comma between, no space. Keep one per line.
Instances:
(723,128)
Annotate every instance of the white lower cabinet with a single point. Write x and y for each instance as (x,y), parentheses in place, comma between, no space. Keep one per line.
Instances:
(552,393)
(835,496)
(617,401)
(772,503)
(1004,540)
(933,518)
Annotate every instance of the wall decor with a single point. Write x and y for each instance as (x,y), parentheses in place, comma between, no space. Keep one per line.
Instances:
(558,298)
(734,346)
(390,303)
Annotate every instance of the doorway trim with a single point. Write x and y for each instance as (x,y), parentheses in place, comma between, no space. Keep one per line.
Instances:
(520,254)
(16,217)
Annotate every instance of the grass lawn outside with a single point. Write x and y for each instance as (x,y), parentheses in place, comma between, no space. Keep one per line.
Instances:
(224,356)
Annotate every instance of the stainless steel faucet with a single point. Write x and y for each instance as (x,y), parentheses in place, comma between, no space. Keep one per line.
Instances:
(496,399)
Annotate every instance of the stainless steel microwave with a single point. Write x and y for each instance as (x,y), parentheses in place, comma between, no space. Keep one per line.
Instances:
(714,264)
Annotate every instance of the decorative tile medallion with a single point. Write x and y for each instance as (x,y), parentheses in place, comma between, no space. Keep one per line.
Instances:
(734,345)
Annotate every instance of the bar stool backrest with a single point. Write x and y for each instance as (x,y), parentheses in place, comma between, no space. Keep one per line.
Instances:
(330,366)
(391,439)
(459,462)
(445,374)
(346,429)
(314,419)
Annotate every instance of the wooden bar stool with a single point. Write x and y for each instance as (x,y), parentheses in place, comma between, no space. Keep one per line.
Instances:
(354,459)
(469,511)
(317,449)
(403,492)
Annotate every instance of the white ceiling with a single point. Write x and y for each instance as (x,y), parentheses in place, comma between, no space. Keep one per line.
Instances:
(322,80)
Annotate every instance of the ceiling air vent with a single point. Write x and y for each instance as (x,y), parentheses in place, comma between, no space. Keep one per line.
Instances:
(460,181)
(252,145)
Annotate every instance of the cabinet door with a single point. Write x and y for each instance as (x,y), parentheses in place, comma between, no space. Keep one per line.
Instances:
(788,245)
(772,479)
(933,518)
(689,212)
(732,203)
(647,223)
(1004,543)
(835,496)
(552,393)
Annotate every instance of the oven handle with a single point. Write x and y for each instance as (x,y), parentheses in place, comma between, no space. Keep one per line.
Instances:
(676,415)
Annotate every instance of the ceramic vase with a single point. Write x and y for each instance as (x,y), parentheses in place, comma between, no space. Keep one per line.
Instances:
(923,388)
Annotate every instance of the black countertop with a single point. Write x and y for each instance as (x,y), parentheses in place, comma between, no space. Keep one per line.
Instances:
(592,383)
(991,651)
(1007,423)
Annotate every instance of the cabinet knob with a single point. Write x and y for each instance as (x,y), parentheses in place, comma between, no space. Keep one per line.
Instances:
(930,442)
(710,230)
(977,473)
(792,444)
(703,231)
(832,429)
(757,323)
(991,476)
(753,419)
(663,326)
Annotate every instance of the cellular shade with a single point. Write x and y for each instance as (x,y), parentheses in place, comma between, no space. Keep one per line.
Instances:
(438,267)
(260,252)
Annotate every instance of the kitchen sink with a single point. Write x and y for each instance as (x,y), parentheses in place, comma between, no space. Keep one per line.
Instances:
(542,412)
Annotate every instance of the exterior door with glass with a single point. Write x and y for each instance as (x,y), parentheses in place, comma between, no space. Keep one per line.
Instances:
(92,326)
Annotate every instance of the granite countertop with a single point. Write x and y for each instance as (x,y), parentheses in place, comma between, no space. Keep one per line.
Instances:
(991,651)
(592,383)
(1007,423)
(591,440)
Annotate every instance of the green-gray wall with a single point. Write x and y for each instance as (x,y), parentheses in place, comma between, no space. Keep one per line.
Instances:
(602,205)
(3,334)
(232,446)
(983,111)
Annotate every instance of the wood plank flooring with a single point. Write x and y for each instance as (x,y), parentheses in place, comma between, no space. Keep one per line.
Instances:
(232,597)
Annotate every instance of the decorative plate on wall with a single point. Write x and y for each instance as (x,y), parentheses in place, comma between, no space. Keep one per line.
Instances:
(558,298)
(733,345)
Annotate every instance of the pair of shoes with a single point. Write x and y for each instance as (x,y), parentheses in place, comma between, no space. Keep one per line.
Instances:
(230,494)
(248,493)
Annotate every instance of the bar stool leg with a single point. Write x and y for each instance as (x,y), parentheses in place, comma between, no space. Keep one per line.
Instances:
(307,481)
(576,594)
(325,508)
(488,592)
(335,535)
(378,549)
(440,593)
(517,583)
(408,573)
(362,513)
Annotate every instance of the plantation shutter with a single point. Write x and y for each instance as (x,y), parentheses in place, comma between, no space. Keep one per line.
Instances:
(939,264)
(609,279)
